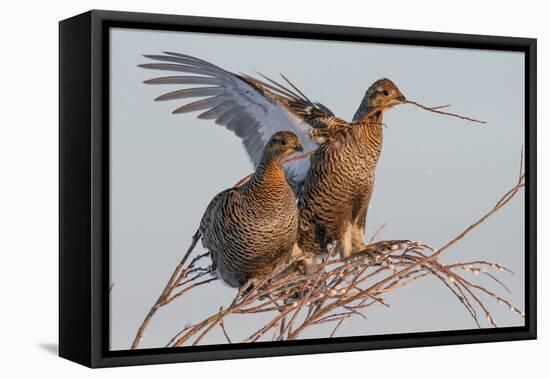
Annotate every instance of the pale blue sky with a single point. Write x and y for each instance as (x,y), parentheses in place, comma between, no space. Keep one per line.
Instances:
(435,177)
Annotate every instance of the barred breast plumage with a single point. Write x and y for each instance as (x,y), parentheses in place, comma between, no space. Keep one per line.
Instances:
(250,230)
(335,196)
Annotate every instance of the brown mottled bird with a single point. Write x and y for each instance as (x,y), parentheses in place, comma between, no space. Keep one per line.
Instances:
(256,109)
(251,230)
(335,195)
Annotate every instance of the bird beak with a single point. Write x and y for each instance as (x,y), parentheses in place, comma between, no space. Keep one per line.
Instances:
(401,98)
(299,148)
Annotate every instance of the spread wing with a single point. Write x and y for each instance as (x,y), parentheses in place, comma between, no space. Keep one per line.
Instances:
(251,108)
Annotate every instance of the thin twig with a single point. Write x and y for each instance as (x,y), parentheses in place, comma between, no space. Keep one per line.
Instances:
(341,288)
(378,230)
(435,109)
(167,290)
(327,309)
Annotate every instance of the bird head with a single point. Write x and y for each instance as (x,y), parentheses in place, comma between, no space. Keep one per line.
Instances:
(283,143)
(383,94)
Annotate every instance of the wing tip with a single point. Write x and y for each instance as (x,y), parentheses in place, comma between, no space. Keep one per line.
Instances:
(147,65)
(162,97)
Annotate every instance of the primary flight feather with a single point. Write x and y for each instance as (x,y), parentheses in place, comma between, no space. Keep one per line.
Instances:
(253,109)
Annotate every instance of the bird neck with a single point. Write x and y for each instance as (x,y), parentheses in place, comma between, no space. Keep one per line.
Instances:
(269,171)
(362,110)
(369,131)
(376,118)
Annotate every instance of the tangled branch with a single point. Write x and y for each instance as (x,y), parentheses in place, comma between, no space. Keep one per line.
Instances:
(339,288)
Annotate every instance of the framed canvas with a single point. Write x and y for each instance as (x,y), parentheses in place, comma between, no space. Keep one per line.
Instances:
(235,188)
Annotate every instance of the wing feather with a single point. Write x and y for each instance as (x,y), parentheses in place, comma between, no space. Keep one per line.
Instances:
(253,109)
(190,92)
(205,103)
(184,80)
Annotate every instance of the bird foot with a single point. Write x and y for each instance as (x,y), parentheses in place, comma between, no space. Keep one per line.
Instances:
(311,263)
(376,251)
(302,266)
(247,287)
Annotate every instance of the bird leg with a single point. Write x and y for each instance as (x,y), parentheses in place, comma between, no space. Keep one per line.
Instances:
(357,238)
(358,225)
(346,243)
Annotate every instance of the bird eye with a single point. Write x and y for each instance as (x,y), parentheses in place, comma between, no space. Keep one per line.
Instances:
(386,93)
(283,142)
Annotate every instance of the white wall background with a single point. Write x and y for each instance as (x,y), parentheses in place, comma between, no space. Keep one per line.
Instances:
(28,186)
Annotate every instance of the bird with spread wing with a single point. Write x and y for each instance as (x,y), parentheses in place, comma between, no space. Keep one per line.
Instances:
(334,186)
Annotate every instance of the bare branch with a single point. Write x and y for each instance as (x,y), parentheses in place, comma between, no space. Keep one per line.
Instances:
(339,288)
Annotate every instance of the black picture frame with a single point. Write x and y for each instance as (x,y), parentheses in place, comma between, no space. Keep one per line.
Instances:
(84,187)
